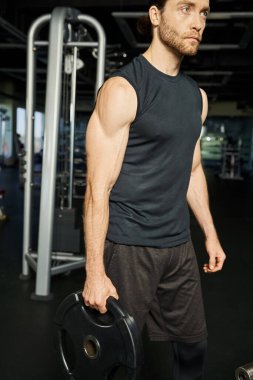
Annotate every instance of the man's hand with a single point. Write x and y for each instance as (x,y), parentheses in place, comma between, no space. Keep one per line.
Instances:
(96,291)
(216,255)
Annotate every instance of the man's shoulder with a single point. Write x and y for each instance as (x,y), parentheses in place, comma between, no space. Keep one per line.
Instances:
(117,85)
(132,71)
(190,80)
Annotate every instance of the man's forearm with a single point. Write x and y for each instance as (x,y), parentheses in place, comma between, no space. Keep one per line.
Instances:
(96,218)
(198,200)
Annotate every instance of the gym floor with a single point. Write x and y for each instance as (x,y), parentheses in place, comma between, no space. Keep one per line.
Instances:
(27,328)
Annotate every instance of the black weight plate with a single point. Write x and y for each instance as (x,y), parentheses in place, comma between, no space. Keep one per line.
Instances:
(91,345)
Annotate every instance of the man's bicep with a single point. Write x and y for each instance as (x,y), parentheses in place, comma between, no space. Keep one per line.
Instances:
(107,135)
(104,154)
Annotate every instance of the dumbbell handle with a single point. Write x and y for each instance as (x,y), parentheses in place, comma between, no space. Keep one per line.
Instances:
(244,372)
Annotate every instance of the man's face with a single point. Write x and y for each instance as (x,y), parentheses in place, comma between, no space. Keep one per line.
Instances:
(182,24)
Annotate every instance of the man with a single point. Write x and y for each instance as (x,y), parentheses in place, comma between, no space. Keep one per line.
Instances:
(143,166)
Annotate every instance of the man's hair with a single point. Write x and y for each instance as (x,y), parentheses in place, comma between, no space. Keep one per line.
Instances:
(144,25)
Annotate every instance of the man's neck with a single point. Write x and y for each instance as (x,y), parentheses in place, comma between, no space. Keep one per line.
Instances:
(163,58)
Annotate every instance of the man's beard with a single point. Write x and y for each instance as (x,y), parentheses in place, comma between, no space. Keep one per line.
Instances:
(170,38)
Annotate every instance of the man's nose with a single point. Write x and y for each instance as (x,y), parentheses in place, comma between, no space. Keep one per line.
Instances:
(197,22)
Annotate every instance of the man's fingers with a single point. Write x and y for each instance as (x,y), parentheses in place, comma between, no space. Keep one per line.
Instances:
(219,265)
(216,256)
(208,270)
(211,268)
(212,263)
(96,293)
(102,309)
(115,295)
(99,304)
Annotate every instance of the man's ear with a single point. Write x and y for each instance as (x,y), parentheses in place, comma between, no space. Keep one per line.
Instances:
(154,15)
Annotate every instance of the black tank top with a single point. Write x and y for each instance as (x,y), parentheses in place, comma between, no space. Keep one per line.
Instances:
(148,204)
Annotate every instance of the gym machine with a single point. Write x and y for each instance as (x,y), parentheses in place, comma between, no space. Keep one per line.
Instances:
(3,119)
(61,22)
(231,162)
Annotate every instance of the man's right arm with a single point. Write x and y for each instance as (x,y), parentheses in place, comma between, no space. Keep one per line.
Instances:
(106,141)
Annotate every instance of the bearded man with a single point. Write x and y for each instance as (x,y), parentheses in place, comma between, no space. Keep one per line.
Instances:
(143,171)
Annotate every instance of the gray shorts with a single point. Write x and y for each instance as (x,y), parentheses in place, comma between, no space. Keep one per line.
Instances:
(159,287)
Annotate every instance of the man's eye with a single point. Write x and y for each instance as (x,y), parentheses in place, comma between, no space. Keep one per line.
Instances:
(186,9)
(205,13)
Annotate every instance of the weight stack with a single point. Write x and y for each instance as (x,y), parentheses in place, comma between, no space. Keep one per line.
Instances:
(66,237)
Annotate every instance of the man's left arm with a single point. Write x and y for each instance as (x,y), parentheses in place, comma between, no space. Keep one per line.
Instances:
(198,200)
